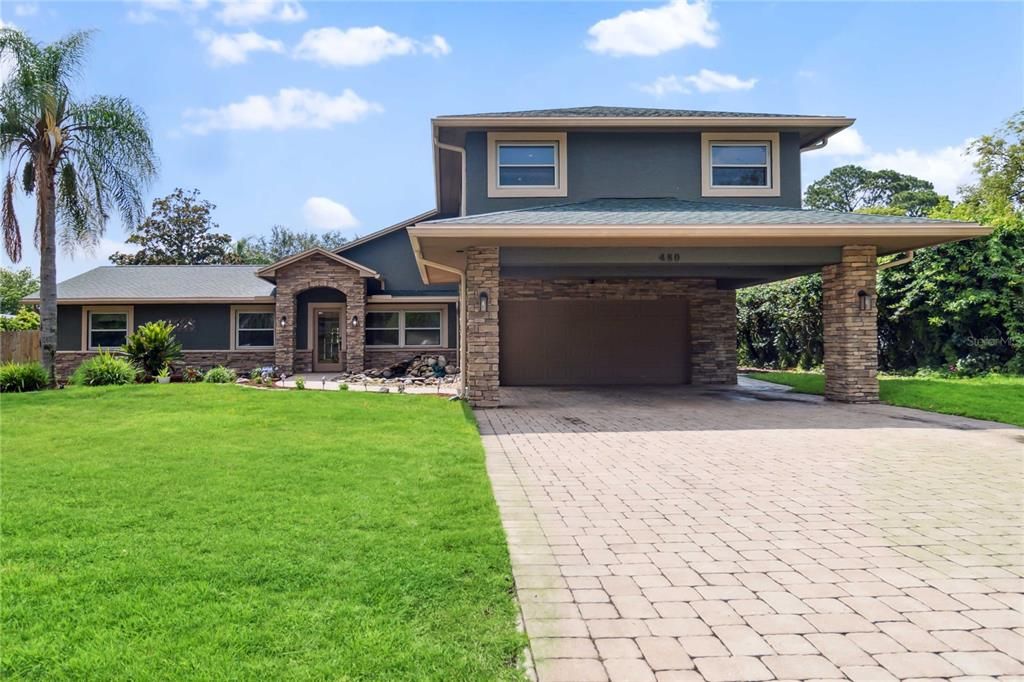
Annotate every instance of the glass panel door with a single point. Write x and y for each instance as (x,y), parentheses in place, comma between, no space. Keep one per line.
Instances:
(328,339)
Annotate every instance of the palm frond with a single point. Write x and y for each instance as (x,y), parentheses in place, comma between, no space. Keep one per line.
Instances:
(109,137)
(12,232)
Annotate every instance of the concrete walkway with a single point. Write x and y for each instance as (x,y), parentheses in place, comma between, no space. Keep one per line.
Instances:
(750,534)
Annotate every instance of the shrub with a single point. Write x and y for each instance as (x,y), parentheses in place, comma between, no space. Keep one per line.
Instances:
(220,375)
(153,346)
(105,369)
(16,377)
(25,318)
(256,375)
(300,383)
(191,375)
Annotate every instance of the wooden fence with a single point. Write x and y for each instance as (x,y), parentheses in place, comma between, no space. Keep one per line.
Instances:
(19,346)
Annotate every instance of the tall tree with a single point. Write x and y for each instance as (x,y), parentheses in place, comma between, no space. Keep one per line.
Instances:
(852,188)
(178,231)
(81,159)
(282,243)
(14,286)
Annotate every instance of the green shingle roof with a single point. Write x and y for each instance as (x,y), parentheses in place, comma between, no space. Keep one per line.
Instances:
(623,112)
(675,212)
(165,282)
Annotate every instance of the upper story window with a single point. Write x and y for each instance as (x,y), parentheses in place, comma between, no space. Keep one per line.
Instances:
(526,165)
(739,164)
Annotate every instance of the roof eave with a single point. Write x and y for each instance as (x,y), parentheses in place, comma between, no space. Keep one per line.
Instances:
(641,121)
(726,230)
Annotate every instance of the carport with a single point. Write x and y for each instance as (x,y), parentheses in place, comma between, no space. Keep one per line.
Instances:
(642,291)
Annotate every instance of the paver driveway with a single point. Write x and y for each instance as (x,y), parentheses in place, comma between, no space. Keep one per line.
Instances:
(687,534)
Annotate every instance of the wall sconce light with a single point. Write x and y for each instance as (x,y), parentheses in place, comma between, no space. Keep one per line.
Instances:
(355,321)
(483,301)
(284,320)
(863,300)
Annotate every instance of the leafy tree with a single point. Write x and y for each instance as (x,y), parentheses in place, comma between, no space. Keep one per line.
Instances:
(852,188)
(779,324)
(81,159)
(178,231)
(960,303)
(14,286)
(282,243)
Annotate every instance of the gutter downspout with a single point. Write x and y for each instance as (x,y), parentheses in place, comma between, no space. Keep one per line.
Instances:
(462,156)
(462,320)
(899,261)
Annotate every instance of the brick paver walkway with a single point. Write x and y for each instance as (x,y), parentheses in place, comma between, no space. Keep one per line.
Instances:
(688,534)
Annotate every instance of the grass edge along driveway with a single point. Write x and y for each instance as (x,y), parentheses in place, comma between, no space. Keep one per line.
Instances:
(994,398)
(167,532)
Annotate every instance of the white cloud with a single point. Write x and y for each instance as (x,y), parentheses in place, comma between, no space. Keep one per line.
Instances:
(26,9)
(225,48)
(437,47)
(704,81)
(325,214)
(663,85)
(947,168)
(290,108)
(148,11)
(363,45)
(650,32)
(256,11)
(707,80)
(846,142)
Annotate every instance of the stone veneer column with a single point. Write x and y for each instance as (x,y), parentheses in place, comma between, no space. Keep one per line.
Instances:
(713,336)
(284,336)
(851,334)
(355,336)
(482,346)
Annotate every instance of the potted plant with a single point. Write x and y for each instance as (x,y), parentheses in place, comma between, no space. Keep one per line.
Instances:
(164,375)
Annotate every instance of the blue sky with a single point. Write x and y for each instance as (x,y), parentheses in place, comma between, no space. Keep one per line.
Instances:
(316,114)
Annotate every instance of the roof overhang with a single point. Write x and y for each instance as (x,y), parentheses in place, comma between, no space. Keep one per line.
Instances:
(440,249)
(121,300)
(269,273)
(813,129)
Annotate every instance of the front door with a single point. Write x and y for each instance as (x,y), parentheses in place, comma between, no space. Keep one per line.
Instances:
(328,332)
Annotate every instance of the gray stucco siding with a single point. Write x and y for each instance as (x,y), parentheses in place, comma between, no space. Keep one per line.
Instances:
(391,255)
(200,326)
(629,164)
(69,327)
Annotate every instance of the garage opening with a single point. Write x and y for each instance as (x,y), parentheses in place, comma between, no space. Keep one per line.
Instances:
(594,343)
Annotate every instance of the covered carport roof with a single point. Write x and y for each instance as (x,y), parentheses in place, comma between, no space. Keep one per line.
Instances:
(440,245)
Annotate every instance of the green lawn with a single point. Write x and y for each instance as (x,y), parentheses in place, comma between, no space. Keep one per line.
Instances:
(995,398)
(218,532)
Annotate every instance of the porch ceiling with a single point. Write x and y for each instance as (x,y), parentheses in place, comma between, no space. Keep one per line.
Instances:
(647,227)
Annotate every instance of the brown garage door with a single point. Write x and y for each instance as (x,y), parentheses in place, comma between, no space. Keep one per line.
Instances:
(566,343)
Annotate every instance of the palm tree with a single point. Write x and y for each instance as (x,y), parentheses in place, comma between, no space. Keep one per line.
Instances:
(81,159)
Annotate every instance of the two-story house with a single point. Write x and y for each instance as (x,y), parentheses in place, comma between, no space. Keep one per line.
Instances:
(586,246)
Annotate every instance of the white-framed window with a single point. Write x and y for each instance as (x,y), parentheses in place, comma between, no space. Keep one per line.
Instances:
(739,164)
(406,328)
(252,327)
(106,327)
(526,165)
